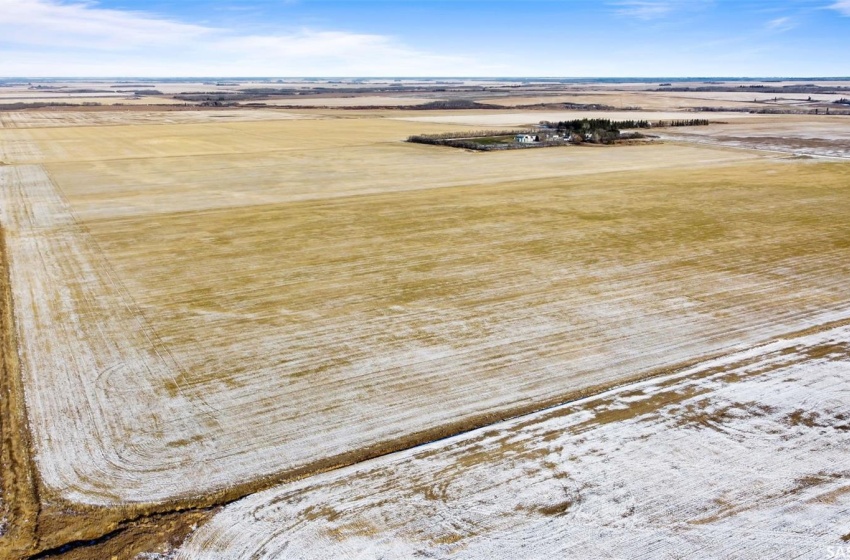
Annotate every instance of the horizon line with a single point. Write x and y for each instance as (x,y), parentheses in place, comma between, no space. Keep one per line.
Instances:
(398,77)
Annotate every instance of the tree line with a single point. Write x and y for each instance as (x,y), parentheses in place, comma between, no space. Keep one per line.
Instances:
(431,138)
(582,126)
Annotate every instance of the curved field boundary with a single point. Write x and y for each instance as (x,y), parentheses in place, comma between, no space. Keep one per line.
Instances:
(86,357)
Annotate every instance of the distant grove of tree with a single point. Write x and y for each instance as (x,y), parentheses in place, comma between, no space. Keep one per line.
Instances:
(685,122)
(583,126)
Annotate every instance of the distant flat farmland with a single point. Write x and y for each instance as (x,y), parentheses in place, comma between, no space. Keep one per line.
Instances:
(206,304)
(75,118)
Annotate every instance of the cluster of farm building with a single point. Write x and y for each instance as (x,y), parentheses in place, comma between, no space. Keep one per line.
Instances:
(595,131)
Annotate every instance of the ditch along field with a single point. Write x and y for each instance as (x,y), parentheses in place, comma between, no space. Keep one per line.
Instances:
(203,310)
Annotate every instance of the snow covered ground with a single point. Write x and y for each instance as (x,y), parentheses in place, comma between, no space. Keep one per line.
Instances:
(743,456)
(824,136)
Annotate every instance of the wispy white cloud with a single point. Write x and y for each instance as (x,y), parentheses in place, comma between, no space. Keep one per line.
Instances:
(644,9)
(842,6)
(648,10)
(49,37)
(48,22)
(781,24)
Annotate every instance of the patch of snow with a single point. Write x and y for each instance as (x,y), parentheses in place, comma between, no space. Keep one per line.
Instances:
(739,457)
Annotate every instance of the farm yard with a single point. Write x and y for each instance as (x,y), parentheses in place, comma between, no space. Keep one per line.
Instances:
(546,134)
(203,311)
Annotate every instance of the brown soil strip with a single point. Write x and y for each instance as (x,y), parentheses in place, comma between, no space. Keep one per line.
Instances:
(20,503)
(159,534)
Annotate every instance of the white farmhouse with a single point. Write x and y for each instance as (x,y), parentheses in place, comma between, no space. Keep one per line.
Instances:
(524,138)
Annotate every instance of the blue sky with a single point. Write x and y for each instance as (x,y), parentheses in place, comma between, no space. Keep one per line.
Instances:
(557,38)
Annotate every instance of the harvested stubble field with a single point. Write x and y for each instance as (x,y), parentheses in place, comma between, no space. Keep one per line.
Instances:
(74,117)
(203,309)
(738,457)
(824,136)
(665,101)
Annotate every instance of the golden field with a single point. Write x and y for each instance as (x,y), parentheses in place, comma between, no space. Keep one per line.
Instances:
(209,303)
